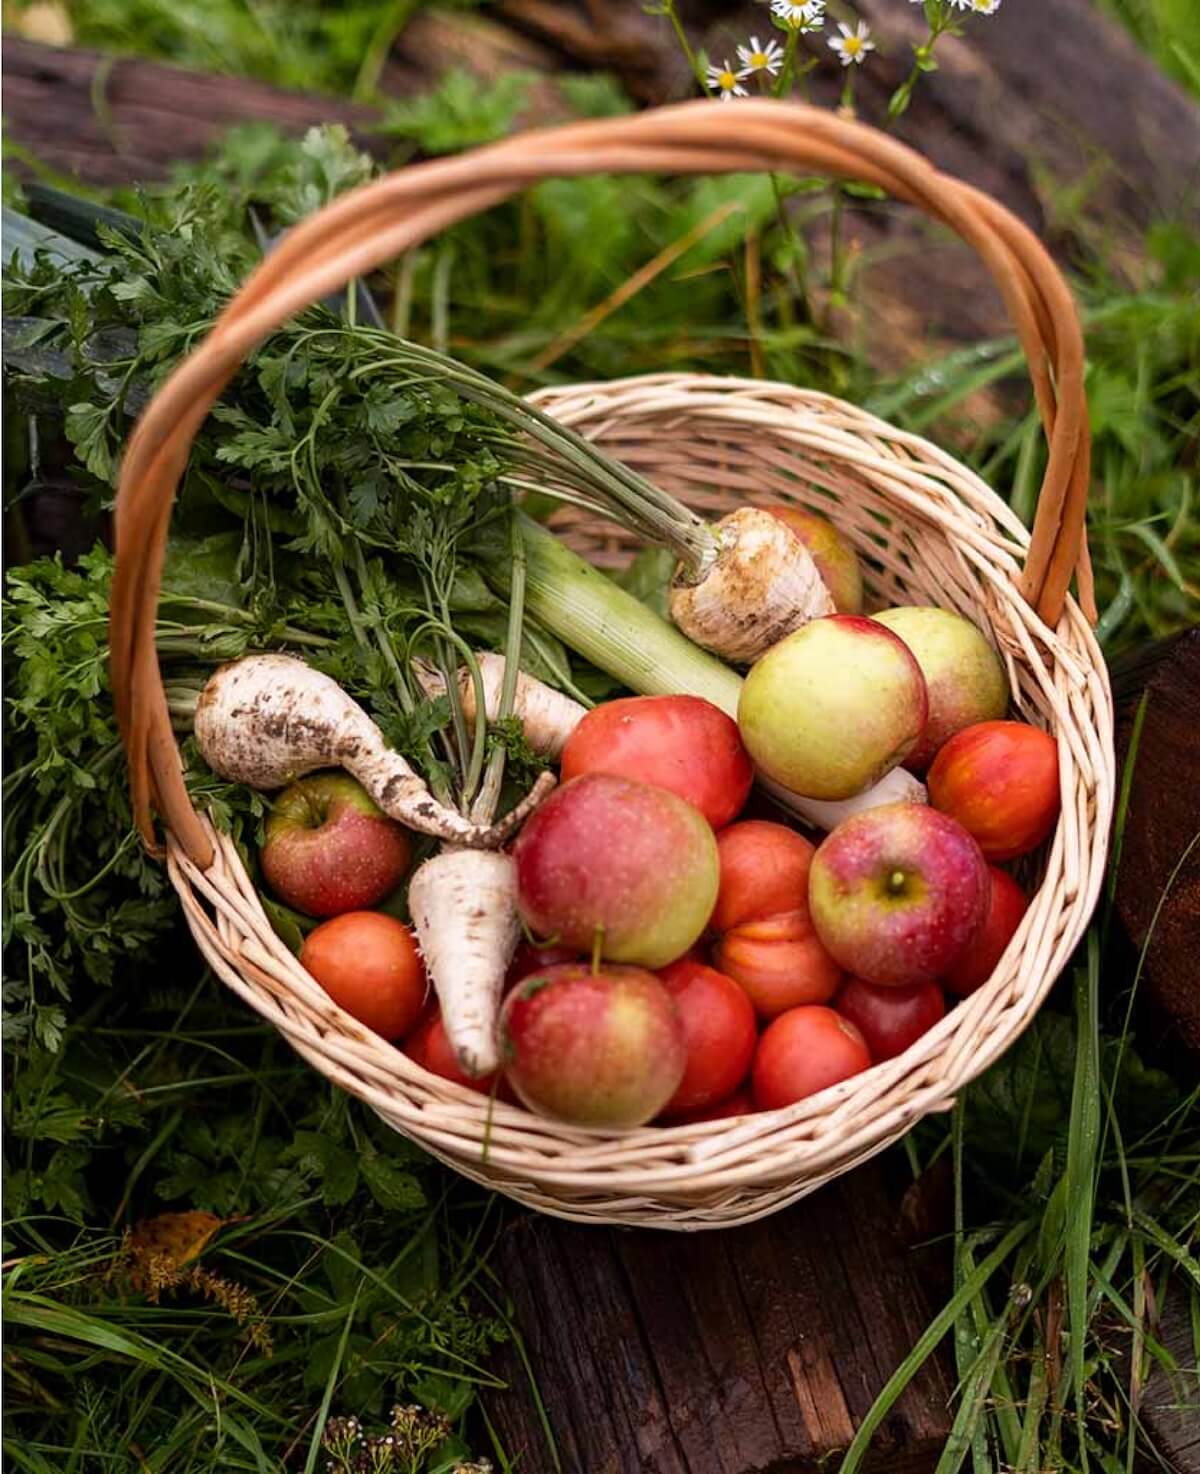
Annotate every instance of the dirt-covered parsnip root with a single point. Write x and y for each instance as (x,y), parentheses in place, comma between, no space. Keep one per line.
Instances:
(546,715)
(763,585)
(463,905)
(265,720)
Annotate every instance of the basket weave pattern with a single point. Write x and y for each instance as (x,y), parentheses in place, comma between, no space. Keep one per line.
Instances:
(927,531)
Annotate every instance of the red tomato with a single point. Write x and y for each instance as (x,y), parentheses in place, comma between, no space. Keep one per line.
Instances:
(890,1019)
(764,870)
(803,1051)
(429,1047)
(1006,905)
(369,965)
(529,959)
(682,743)
(740,1103)
(719,1030)
(1000,781)
(779,961)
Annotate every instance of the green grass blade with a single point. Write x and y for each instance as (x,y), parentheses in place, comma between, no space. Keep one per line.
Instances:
(926,1344)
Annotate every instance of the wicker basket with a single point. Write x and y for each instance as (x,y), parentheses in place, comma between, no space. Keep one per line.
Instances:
(928,531)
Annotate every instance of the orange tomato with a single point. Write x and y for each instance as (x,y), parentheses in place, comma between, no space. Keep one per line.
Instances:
(369,965)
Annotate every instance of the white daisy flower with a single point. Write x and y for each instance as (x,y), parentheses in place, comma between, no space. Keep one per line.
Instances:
(852,45)
(803,15)
(724,82)
(980,7)
(759,58)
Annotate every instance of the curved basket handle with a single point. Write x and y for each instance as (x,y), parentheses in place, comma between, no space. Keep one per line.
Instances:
(361,231)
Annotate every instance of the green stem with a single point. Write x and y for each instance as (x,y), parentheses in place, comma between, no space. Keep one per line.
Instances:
(489,794)
(685,45)
(611,628)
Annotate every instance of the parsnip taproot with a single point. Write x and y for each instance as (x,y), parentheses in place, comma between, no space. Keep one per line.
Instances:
(548,717)
(267,719)
(463,905)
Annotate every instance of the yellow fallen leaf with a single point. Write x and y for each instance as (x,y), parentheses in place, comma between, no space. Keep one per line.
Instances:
(171,1240)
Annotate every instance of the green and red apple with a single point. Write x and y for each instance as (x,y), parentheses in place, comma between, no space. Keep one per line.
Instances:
(836,560)
(898,893)
(963,674)
(833,707)
(619,868)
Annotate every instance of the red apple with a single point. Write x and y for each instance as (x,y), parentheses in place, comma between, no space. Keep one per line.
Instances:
(833,707)
(329,849)
(803,1051)
(890,1019)
(620,865)
(836,560)
(897,893)
(1000,781)
(719,1030)
(1006,905)
(595,1049)
(681,743)
(963,674)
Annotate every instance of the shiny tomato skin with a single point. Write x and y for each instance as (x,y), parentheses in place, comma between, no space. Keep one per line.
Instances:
(719,1031)
(369,965)
(764,871)
(780,962)
(803,1051)
(681,743)
(740,1103)
(429,1047)
(1000,781)
(1007,903)
(890,1019)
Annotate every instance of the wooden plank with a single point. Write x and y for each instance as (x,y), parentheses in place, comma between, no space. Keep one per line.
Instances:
(1170,1410)
(1162,822)
(752,1349)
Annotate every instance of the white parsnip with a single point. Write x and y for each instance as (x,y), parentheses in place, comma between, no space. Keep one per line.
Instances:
(265,720)
(763,585)
(547,716)
(463,905)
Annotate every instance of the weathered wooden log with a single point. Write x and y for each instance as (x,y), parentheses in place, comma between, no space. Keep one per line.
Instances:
(1158,884)
(754,1349)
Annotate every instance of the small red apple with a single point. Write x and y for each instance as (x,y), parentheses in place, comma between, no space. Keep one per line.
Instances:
(624,866)
(595,1049)
(897,893)
(740,1103)
(1006,905)
(681,743)
(329,849)
(890,1019)
(1000,781)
